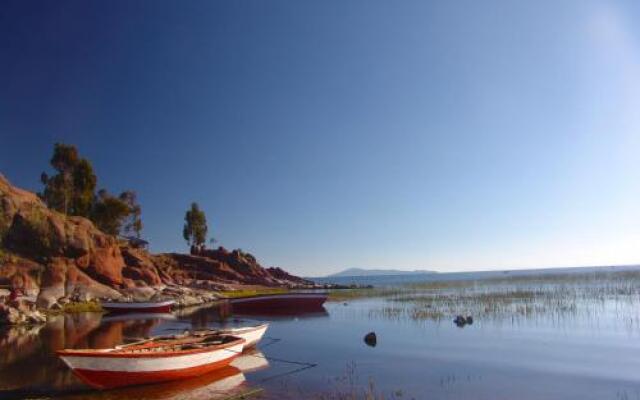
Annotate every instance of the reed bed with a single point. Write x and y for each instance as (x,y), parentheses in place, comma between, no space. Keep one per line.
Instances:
(557,297)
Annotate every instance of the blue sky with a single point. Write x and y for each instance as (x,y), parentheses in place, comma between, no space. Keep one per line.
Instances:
(323,135)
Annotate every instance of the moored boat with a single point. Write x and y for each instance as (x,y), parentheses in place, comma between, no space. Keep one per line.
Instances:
(152,362)
(139,307)
(251,335)
(277,303)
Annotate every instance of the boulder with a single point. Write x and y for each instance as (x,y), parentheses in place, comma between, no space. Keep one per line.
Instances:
(62,279)
(139,266)
(371,339)
(461,321)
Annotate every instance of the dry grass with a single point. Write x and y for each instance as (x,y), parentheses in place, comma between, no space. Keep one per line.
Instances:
(251,292)
(347,387)
(78,307)
(554,296)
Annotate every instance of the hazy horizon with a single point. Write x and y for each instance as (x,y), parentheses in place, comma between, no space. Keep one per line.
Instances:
(318,136)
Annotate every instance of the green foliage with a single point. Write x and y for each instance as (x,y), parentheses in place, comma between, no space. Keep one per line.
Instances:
(109,212)
(84,184)
(195,226)
(71,189)
(133,223)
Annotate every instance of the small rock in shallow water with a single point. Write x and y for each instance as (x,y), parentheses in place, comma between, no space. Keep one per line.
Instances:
(469,320)
(460,321)
(371,339)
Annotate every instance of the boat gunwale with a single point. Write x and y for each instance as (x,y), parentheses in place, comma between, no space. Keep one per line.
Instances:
(127,352)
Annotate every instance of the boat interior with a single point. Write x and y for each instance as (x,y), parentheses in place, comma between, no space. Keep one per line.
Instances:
(167,346)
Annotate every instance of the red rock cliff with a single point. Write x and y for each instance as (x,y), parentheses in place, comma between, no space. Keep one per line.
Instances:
(56,257)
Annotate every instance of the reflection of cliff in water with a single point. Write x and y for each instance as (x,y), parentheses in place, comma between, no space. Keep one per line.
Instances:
(27,354)
(206,315)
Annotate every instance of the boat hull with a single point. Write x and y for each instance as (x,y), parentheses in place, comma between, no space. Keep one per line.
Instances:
(300,302)
(115,379)
(106,371)
(148,307)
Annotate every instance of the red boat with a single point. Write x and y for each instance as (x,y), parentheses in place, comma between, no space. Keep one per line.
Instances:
(139,307)
(278,303)
(152,362)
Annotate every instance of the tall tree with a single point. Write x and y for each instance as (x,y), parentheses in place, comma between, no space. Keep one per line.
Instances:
(109,212)
(84,185)
(71,189)
(133,222)
(195,226)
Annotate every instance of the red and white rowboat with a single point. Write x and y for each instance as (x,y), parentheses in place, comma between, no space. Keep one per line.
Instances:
(139,307)
(152,362)
(278,303)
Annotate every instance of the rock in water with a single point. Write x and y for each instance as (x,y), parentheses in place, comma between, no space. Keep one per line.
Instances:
(371,339)
(469,320)
(460,321)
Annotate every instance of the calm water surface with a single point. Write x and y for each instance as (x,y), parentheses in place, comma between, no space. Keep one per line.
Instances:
(573,354)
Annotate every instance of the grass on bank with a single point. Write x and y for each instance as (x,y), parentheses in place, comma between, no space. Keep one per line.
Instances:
(508,297)
(77,307)
(363,293)
(232,294)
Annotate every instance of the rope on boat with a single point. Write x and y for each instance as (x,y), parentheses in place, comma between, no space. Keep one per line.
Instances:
(302,365)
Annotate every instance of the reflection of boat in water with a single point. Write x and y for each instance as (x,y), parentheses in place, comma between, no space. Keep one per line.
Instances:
(251,361)
(152,362)
(279,303)
(139,307)
(219,384)
(138,316)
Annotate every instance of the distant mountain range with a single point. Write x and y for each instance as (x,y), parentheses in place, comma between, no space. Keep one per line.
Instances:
(377,272)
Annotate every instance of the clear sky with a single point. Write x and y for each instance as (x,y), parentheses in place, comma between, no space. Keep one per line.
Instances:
(448,135)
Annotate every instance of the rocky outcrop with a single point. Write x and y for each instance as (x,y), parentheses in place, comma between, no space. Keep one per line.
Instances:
(31,230)
(63,280)
(286,278)
(242,267)
(140,269)
(54,259)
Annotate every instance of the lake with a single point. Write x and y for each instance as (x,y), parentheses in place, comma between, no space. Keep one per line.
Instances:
(567,336)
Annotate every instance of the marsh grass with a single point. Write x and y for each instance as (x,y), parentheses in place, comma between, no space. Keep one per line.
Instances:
(555,296)
(364,293)
(348,387)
